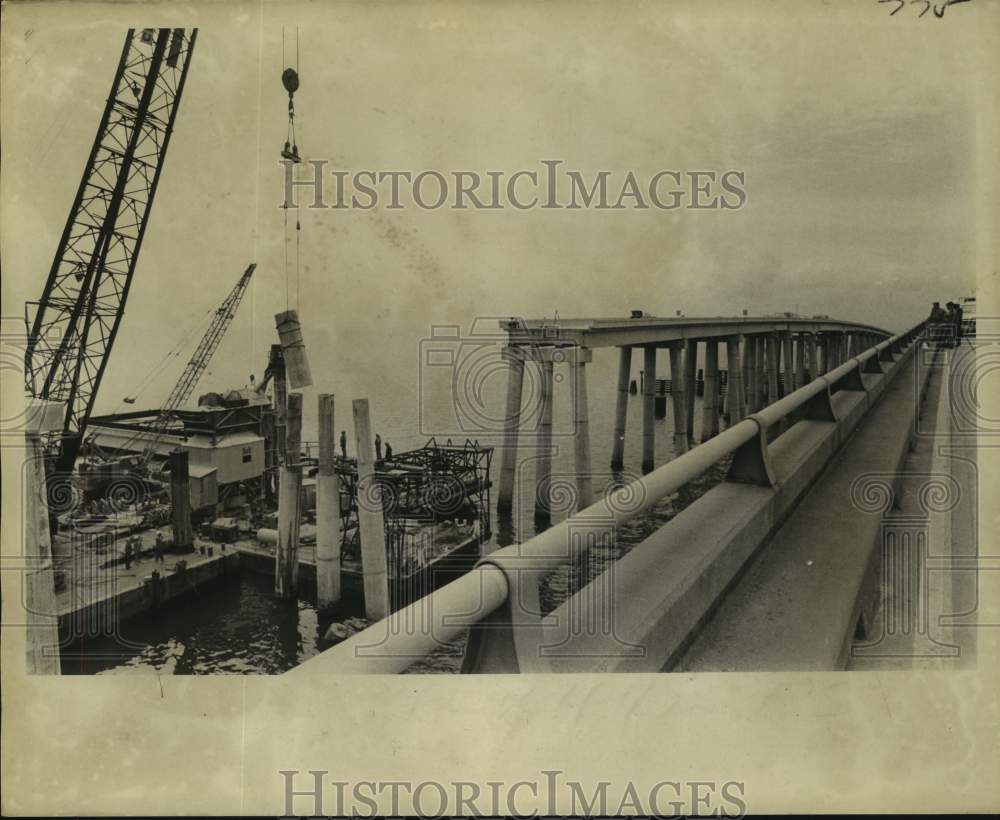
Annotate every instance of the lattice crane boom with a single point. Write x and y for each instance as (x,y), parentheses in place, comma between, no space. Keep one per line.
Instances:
(74,324)
(209,343)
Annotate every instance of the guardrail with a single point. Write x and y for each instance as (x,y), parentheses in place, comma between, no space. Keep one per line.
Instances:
(639,612)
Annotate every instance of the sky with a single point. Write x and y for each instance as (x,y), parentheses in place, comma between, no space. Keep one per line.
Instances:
(856,134)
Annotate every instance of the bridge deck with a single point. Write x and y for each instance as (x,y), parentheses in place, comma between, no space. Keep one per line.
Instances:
(653,330)
(797,604)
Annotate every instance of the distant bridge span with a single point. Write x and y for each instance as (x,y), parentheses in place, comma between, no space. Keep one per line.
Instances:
(655,330)
(766,356)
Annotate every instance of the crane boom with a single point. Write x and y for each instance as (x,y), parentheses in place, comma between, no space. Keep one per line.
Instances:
(75,322)
(199,361)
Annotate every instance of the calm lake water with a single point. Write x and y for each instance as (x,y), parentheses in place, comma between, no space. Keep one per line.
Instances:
(236,626)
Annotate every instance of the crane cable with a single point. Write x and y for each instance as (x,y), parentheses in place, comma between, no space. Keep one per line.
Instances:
(154,372)
(291,84)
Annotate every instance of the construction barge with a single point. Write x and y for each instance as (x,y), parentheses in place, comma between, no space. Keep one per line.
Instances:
(115,550)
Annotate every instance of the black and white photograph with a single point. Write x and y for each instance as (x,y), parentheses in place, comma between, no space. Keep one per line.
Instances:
(382,382)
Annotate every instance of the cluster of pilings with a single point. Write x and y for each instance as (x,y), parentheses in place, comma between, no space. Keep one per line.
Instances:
(761,367)
(328,537)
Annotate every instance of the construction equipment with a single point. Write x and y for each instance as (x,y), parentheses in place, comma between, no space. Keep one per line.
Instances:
(196,366)
(275,367)
(290,80)
(75,322)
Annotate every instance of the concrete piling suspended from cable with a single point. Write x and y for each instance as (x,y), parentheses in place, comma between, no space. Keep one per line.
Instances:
(294,349)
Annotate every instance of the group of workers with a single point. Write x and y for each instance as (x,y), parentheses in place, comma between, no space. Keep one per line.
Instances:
(945,324)
(378,446)
(133,549)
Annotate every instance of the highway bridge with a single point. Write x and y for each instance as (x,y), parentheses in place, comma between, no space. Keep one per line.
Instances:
(841,536)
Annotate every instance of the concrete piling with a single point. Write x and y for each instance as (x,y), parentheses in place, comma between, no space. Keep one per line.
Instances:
(281,412)
(772,367)
(753,375)
(678,396)
(511,423)
(543,464)
(690,368)
(800,360)
(579,357)
(286,557)
(745,368)
(621,407)
(710,400)
(327,509)
(734,391)
(180,500)
(648,408)
(371,519)
(787,364)
(294,349)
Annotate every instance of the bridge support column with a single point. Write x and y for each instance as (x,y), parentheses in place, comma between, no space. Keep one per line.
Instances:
(812,357)
(621,407)
(734,391)
(761,370)
(746,360)
(327,510)
(710,401)
(648,403)
(756,372)
(511,422)
(371,519)
(787,364)
(690,385)
(678,396)
(543,465)
(800,361)
(772,368)
(286,557)
(580,356)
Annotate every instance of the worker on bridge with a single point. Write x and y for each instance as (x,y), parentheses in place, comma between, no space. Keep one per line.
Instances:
(936,322)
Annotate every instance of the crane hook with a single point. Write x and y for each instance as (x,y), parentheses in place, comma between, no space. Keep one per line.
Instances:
(290,80)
